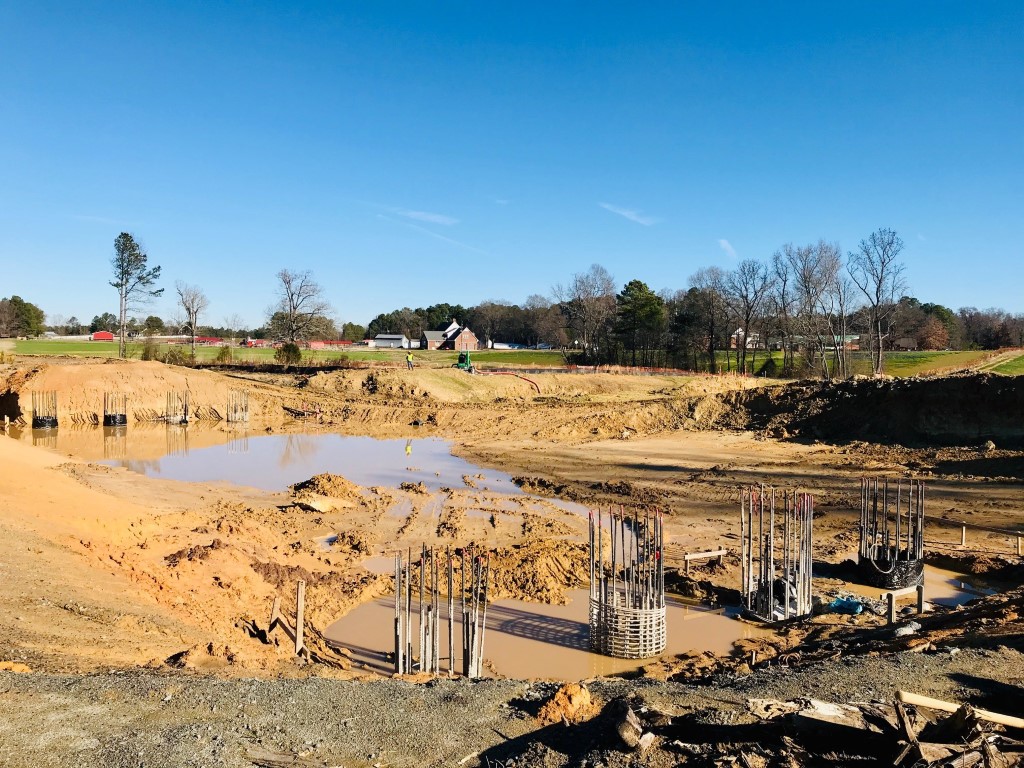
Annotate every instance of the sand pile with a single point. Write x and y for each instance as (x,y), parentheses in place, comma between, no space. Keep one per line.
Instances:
(541,571)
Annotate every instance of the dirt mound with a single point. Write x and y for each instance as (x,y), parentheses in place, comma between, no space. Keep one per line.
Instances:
(327,484)
(571,703)
(952,410)
(540,571)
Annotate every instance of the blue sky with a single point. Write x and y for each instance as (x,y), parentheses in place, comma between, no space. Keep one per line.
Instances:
(411,153)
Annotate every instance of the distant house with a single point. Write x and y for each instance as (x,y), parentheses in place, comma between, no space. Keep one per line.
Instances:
(101,336)
(905,344)
(463,340)
(432,339)
(452,337)
(391,341)
(753,340)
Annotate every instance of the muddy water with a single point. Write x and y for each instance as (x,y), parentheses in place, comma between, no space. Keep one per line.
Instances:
(203,453)
(528,640)
(941,587)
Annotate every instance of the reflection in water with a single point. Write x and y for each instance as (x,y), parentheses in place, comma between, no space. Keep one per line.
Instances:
(45,438)
(115,442)
(299,449)
(177,440)
(239,445)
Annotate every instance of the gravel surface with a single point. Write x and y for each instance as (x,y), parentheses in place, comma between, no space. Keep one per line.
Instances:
(143,718)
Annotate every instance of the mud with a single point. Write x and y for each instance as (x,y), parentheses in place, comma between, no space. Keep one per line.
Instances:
(107,568)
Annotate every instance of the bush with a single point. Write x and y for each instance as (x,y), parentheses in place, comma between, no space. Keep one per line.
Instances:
(149,349)
(223,355)
(288,354)
(176,356)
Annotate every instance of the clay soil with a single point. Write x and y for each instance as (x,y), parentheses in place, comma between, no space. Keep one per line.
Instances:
(104,571)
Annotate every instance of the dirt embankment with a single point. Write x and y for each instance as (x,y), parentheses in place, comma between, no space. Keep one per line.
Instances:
(80,389)
(954,410)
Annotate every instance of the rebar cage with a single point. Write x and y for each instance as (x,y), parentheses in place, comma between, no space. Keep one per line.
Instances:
(627,590)
(891,554)
(775,561)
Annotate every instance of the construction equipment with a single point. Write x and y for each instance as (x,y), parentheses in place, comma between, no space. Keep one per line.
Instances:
(465,363)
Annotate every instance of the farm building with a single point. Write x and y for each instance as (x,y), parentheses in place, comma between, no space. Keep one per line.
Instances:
(101,336)
(391,341)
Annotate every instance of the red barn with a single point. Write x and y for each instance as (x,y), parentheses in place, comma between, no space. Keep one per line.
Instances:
(101,336)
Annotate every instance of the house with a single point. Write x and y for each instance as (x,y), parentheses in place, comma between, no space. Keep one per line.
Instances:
(463,340)
(432,339)
(905,344)
(101,336)
(452,337)
(391,341)
(753,340)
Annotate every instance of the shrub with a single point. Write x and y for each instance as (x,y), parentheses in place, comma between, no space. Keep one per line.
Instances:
(149,349)
(223,355)
(176,356)
(288,354)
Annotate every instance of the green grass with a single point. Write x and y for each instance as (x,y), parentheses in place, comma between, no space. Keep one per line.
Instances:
(1014,367)
(919,363)
(896,363)
(260,355)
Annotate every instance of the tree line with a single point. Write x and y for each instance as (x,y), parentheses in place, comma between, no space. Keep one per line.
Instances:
(809,304)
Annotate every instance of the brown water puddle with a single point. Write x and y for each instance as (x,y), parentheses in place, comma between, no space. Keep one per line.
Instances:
(941,587)
(534,641)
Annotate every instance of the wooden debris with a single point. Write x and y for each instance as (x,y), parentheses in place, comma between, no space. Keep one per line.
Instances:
(944,706)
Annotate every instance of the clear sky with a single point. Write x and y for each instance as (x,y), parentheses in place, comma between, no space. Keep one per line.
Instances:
(411,153)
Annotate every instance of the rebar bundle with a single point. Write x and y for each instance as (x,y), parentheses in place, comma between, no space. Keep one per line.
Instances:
(176,411)
(115,409)
(892,533)
(435,580)
(775,558)
(44,410)
(627,588)
(238,405)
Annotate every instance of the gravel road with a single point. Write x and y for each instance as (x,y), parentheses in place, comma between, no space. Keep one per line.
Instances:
(140,718)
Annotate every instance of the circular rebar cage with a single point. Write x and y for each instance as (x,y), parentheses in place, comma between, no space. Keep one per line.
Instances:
(44,422)
(891,554)
(892,575)
(626,633)
(115,420)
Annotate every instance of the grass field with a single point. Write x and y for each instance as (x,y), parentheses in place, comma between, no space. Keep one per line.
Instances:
(919,363)
(896,363)
(1014,367)
(541,358)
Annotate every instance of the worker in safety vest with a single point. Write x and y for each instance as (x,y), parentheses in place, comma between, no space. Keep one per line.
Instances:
(408,360)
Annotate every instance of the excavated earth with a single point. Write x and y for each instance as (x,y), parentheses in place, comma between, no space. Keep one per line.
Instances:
(136,609)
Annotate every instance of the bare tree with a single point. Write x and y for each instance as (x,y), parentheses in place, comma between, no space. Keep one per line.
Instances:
(193,303)
(300,305)
(713,311)
(814,305)
(544,322)
(876,271)
(133,279)
(588,303)
(234,323)
(746,288)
